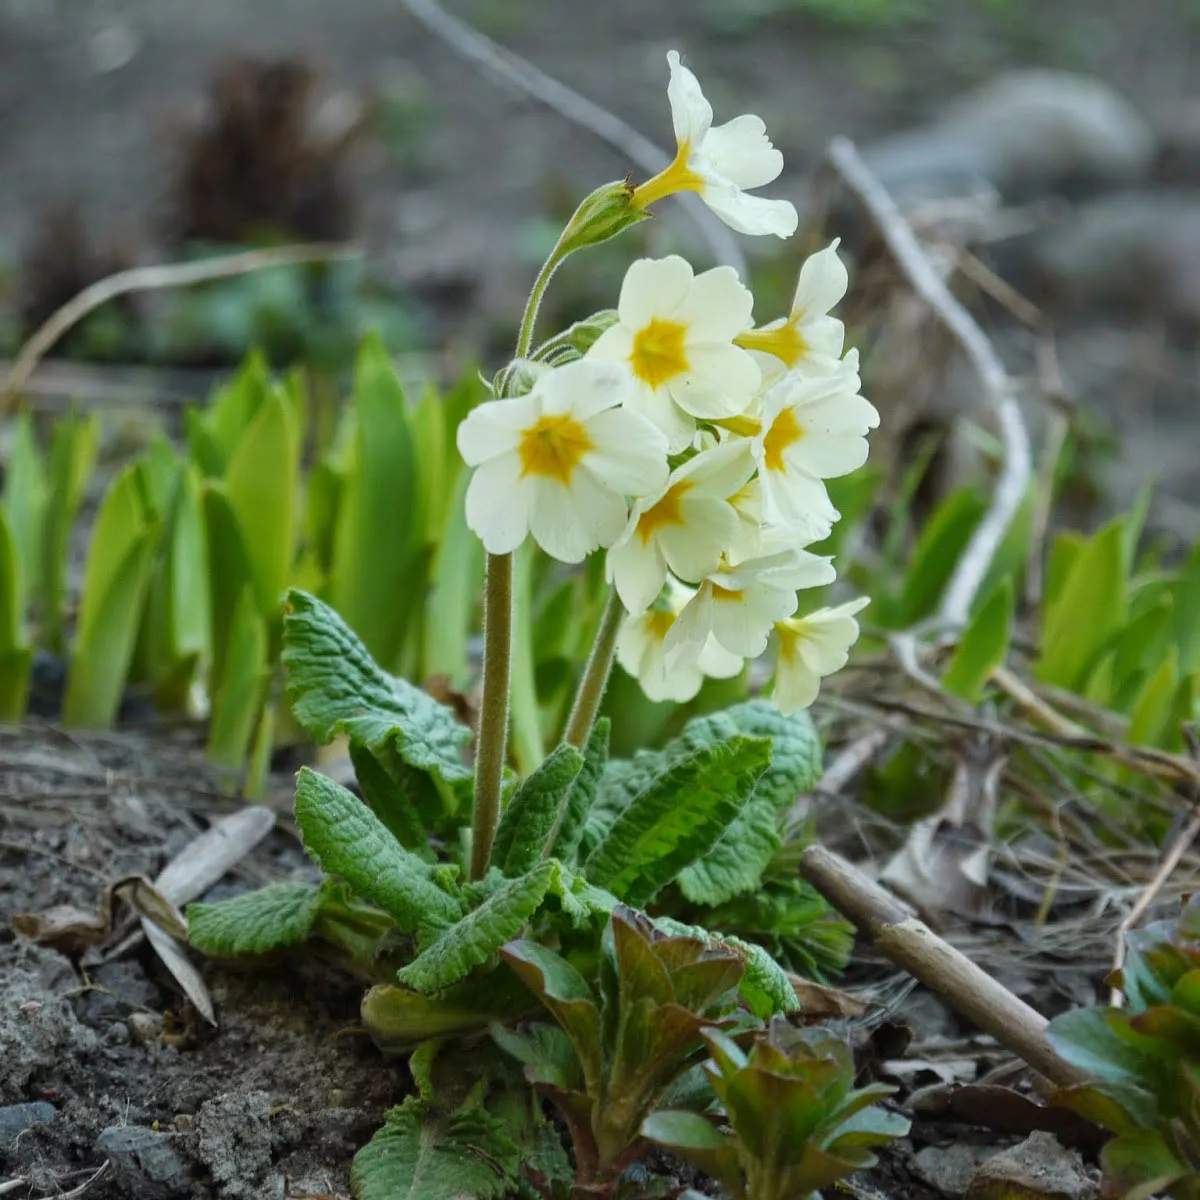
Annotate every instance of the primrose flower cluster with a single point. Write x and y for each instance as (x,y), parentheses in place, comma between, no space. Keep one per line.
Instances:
(685,441)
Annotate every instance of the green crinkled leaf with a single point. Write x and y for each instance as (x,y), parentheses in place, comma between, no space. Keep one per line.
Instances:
(420,1156)
(347,839)
(255,922)
(533,812)
(583,794)
(478,936)
(679,816)
(764,987)
(390,801)
(1141,1165)
(336,687)
(737,862)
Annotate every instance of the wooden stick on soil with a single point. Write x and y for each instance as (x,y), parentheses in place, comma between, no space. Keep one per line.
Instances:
(910,255)
(156,278)
(912,945)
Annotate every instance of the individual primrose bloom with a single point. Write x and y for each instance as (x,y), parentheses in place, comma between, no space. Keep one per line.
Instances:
(739,605)
(684,527)
(559,461)
(641,652)
(722,164)
(808,338)
(812,428)
(809,649)
(674,335)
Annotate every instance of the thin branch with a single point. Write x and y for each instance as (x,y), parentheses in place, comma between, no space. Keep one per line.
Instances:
(912,945)
(505,67)
(157,278)
(972,567)
(1179,848)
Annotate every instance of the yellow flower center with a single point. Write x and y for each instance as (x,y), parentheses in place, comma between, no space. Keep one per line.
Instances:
(667,512)
(658,624)
(742,426)
(553,447)
(783,433)
(786,343)
(676,177)
(725,594)
(658,352)
(789,639)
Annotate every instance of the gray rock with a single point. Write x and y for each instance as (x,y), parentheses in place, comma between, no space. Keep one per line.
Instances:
(1132,251)
(233,1141)
(146,1163)
(16,1118)
(1039,1167)
(1024,132)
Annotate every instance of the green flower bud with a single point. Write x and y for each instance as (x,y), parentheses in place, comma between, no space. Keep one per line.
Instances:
(601,216)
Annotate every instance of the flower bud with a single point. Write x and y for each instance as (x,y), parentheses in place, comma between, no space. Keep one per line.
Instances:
(584,334)
(516,379)
(602,215)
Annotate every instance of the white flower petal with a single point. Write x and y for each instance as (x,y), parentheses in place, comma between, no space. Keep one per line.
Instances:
(497,507)
(582,388)
(796,687)
(717,306)
(653,287)
(830,455)
(615,344)
(755,215)
(742,625)
(688,636)
(718,663)
(742,153)
(796,498)
(569,523)
(723,470)
(693,550)
(823,282)
(494,428)
(720,382)
(691,113)
(629,452)
(638,571)
(660,410)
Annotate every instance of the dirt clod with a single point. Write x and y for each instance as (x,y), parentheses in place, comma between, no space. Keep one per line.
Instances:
(146,1163)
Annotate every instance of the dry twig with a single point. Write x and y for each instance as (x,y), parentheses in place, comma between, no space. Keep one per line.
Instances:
(504,66)
(157,278)
(910,944)
(911,256)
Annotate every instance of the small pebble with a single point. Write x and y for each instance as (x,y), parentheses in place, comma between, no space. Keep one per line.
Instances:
(146,1164)
(15,1119)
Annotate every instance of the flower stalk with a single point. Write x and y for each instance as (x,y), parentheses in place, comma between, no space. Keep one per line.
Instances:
(493,715)
(595,675)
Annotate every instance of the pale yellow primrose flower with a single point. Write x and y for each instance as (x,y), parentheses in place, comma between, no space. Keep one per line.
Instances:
(641,652)
(809,649)
(808,337)
(685,527)
(674,334)
(721,164)
(558,462)
(813,428)
(739,605)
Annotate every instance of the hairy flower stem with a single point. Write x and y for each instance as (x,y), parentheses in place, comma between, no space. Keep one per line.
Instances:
(595,675)
(493,715)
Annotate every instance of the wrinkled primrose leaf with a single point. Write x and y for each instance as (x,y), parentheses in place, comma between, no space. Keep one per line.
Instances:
(619,1050)
(797,1122)
(1145,1060)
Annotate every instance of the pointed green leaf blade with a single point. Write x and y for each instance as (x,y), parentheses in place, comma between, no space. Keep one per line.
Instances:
(680,816)
(1090,607)
(533,812)
(242,687)
(378,530)
(390,801)
(983,646)
(262,484)
(347,839)
(478,936)
(25,502)
(16,655)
